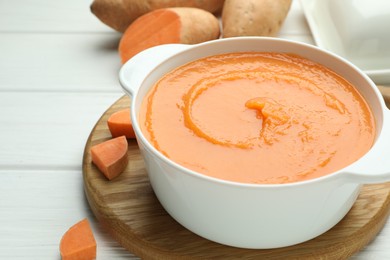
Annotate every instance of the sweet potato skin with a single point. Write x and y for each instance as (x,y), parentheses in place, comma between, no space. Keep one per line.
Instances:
(253,17)
(150,5)
(111,13)
(197,25)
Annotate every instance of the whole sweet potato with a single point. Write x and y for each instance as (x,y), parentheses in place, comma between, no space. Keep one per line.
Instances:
(253,17)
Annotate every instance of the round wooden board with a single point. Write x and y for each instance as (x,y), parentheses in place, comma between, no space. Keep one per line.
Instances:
(129,210)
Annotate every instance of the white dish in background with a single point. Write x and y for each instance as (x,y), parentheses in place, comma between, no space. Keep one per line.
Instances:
(357,30)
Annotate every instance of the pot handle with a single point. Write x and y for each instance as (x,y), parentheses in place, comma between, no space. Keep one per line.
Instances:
(134,71)
(374,167)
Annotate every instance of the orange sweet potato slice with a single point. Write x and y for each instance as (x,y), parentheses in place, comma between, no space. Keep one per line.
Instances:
(78,242)
(119,123)
(185,25)
(111,156)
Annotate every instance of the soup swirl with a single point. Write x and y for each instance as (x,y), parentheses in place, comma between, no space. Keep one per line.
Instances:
(257,118)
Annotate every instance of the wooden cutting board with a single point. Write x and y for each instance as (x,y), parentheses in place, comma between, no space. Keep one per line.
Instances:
(129,210)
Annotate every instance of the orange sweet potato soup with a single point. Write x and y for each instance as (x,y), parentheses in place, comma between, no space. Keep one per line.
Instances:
(257,117)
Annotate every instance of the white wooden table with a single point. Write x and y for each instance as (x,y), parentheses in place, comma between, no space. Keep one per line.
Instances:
(58,74)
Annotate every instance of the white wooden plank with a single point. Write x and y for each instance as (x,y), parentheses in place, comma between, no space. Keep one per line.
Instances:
(36,209)
(378,248)
(59,62)
(48,130)
(49,16)
(66,62)
(81,62)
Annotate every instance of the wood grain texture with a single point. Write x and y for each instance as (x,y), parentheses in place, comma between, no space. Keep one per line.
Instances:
(129,210)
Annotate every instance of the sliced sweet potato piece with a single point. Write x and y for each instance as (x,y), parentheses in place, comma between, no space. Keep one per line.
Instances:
(169,25)
(78,242)
(119,123)
(111,156)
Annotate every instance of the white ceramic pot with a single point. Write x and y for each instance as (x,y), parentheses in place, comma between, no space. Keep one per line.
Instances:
(254,215)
